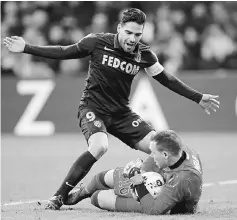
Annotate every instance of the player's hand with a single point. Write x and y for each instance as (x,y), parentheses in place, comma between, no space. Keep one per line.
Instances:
(209,103)
(132,168)
(14,44)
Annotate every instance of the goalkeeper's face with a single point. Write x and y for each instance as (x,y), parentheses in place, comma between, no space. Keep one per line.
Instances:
(160,157)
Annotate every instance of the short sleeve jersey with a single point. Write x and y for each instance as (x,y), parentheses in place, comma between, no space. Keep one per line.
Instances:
(112,70)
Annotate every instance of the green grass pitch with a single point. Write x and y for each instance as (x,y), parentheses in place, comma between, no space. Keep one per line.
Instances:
(33,168)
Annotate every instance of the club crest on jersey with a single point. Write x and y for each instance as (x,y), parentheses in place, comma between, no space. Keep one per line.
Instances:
(138,57)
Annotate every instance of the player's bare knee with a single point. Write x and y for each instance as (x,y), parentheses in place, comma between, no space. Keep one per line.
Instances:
(104,199)
(103,149)
(98,150)
(98,144)
(109,178)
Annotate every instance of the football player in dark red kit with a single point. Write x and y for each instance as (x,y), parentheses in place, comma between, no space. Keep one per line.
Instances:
(104,106)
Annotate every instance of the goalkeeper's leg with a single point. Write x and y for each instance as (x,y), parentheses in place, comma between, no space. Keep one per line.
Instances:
(108,200)
(101,181)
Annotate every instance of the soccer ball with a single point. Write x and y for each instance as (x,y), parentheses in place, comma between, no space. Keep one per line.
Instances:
(153,182)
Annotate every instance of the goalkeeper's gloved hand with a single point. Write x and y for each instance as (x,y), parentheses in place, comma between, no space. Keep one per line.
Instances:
(136,180)
(133,168)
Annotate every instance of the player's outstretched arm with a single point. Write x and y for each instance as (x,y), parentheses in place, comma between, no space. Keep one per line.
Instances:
(206,101)
(18,45)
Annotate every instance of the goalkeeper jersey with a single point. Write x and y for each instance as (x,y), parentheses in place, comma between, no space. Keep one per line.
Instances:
(182,190)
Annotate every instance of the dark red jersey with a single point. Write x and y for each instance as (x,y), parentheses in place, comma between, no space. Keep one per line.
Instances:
(111,71)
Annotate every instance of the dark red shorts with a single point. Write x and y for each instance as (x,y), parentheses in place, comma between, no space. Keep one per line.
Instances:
(129,127)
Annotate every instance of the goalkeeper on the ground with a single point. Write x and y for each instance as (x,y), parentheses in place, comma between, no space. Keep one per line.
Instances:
(169,181)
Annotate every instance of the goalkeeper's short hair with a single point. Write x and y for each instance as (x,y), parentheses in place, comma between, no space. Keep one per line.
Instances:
(168,140)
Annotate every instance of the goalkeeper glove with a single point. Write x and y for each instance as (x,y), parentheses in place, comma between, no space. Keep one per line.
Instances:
(133,168)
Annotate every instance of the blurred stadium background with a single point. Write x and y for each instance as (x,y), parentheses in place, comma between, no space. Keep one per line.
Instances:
(184,35)
(197,41)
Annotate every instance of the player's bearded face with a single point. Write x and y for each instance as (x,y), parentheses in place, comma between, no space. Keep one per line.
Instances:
(129,35)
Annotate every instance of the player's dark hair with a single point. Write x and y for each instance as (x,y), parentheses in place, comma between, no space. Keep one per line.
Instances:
(169,141)
(133,15)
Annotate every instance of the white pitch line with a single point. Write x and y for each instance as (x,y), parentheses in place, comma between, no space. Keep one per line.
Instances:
(227,182)
(208,184)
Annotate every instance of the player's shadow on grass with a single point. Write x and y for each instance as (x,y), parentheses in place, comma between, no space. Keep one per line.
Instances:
(83,209)
(102,213)
(98,211)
